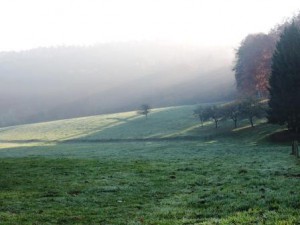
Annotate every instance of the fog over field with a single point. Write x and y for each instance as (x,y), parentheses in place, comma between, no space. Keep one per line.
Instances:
(70,58)
(63,82)
(143,112)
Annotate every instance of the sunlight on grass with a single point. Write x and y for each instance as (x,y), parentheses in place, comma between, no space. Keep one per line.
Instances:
(188,130)
(65,129)
(4,145)
(211,142)
(220,177)
(182,132)
(16,145)
(241,128)
(82,127)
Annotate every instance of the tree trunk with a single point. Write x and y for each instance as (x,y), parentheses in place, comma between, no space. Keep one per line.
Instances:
(293,148)
(216,123)
(201,120)
(296,149)
(251,121)
(235,123)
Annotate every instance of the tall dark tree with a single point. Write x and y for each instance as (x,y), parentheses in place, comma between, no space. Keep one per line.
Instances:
(285,80)
(254,59)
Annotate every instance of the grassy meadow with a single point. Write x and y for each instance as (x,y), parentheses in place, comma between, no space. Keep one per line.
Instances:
(126,169)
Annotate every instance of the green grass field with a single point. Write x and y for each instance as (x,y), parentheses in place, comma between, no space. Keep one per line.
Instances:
(124,169)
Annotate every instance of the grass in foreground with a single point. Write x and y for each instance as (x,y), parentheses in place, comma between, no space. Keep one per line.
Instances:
(223,177)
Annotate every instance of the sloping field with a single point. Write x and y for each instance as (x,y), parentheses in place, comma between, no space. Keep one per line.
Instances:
(161,122)
(126,169)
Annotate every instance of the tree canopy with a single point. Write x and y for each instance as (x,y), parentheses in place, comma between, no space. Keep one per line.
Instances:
(254,59)
(253,65)
(285,80)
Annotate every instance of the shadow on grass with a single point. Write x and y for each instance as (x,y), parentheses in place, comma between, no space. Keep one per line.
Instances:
(284,136)
(164,125)
(158,124)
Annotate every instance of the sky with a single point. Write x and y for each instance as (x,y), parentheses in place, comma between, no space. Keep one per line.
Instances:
(45,23)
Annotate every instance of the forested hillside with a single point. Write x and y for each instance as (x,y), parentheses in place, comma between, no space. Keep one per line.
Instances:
(63,82)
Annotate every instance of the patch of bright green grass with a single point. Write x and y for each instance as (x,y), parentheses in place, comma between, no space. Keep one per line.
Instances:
(160,122)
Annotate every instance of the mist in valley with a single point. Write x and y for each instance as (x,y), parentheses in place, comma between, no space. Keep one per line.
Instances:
(65,59)
(149,112)
(44,84)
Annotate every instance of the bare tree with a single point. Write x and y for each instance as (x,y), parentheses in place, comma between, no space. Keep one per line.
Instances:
(233,111)
(144,110)
(201,113)
(251,108)
(215,113)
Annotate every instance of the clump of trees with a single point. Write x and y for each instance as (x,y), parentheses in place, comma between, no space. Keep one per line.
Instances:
(249,108)
(253,66)
(268,65)
(213,112)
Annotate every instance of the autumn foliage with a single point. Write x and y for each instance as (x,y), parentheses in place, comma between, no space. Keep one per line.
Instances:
(254,58)
(253,64)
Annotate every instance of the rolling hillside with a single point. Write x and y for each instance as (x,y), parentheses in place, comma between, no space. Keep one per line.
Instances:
(163,123)
(47,84)
(109,126)
(126,169)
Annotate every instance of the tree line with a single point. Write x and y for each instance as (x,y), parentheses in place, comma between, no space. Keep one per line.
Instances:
(269,77)
(249,108)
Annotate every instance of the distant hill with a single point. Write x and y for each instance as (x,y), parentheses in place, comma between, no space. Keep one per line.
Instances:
(63,82)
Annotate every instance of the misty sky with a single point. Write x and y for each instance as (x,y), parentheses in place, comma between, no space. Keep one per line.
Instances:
(43,23)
